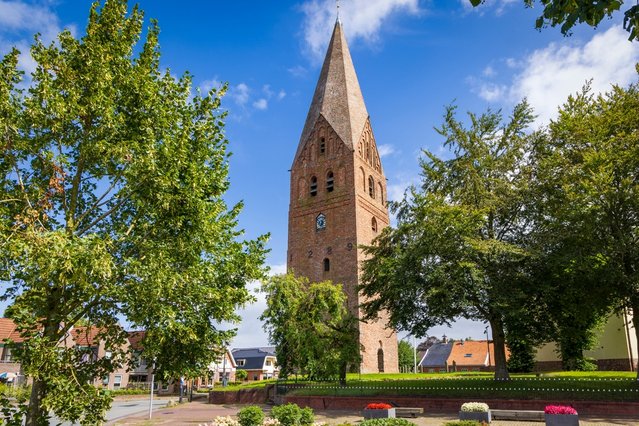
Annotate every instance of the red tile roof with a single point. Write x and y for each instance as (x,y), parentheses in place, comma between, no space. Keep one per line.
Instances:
(85,336)
(8,331)
(135,339)
(473,353)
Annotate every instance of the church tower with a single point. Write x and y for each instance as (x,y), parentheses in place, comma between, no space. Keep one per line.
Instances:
(338,196)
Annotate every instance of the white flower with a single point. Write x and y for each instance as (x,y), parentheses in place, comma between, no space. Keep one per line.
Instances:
(474,407)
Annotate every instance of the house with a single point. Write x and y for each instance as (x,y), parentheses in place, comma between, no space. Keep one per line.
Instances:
(8,363)
(435,358)
(223,368)
(473,355)
(259,363)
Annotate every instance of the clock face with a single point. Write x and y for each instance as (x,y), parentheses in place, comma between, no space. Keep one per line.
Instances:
(320,221)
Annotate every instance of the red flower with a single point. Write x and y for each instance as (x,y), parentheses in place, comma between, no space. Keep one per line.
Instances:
(378,406)
(559,409)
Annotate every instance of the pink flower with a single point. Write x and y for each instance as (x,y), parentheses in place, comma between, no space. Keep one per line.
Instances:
(559,409)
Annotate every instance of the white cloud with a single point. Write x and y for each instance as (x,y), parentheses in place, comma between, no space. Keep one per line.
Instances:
(250,332)
(240,94)
(361,19)
(281,95)
(19,21)
(297,71)
(547,76)
(385,150)
(261,104)
(207,85)
(489,71)
(499,6)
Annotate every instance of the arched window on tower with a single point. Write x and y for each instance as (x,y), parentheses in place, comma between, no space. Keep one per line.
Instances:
(371,187)
(330,182)
(374,224)
(380,358)
(327,264)
(361,169)
(322,146)
(313,186)
(381,192)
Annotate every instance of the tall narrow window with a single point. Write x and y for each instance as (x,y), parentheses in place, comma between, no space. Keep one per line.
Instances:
(327,265)
(329,182)
(374,224)
(381,192)
(371,186)
(313,186)
(322,146)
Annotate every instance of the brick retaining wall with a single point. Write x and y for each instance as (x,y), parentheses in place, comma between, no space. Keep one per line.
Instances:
(244,396)
(451,405)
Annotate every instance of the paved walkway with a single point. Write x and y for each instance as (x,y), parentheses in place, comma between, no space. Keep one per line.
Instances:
(196,413)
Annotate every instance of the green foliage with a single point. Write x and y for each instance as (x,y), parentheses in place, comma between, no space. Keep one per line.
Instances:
(464,423)
(292,415)
(250,416)
(310,326)
(386,422)
(569,13)
(458,249)
(406,356)
(241,375)
(112,182)
(522,356)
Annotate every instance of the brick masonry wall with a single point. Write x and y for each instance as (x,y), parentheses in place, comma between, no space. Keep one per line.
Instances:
(349,211)
(452,405)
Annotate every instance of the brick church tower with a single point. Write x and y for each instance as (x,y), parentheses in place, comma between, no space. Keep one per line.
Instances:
(338,195)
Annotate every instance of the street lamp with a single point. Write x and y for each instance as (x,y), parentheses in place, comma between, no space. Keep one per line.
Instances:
(487,344)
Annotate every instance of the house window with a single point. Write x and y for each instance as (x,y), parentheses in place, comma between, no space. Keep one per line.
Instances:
(117,381)
(241,362)
(327,265)
(268,363)
(329,182)
(464,369)
(313,186)
(468,355)
(371,187)
(374,224)
(256,377)
(322,146)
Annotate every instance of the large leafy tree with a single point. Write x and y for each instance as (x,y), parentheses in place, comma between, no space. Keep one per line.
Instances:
(111,183)
(311,327)
(591,164)
(405,356)
(458,249)
(569,13)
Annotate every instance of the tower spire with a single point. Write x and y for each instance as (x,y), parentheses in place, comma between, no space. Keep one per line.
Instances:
(337,5)
(338,97)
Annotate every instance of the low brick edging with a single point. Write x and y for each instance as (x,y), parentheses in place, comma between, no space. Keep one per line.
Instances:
(243,396)
(451,405)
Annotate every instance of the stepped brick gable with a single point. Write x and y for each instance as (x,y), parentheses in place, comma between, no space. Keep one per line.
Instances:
(338,195)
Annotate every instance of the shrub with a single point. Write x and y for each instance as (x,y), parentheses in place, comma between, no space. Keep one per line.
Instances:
(559,409)
(474,407)
(378,406)
(223,421)
(241,375)
(464,423)
(386,422)
(292,415)
(308,417)
(250,416)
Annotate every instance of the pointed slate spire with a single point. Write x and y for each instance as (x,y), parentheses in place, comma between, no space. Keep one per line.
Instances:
(337,95)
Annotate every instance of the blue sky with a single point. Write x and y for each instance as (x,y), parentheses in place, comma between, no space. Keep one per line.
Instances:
(412,57)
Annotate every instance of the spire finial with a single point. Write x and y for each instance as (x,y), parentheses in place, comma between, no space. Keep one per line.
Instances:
(337,5)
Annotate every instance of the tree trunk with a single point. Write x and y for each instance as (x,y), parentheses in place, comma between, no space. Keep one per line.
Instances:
(499,345)
(36,416)
(635,321)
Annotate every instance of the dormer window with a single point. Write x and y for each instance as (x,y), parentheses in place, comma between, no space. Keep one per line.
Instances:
(322,146)
(371,186)
(313,186)
(329,182)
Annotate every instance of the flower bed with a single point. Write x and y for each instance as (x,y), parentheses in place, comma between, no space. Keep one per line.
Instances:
(379,410)
(477,411)
(561,415)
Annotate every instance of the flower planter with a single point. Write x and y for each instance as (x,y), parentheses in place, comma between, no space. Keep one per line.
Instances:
(480,416)
(379,414)
(562,420)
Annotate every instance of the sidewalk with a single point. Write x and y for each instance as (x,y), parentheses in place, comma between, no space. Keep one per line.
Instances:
(195,413)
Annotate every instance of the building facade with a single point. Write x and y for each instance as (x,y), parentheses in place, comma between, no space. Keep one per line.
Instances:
(338,196)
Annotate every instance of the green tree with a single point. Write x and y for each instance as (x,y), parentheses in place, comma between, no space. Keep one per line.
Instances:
(112,178)
(311,327)
(591,162)
(458,249)
(405,356)
(569,13)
